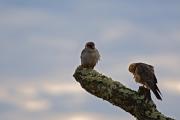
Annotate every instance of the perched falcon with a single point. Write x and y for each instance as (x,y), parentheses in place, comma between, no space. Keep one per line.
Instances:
(89,56)
(144,74)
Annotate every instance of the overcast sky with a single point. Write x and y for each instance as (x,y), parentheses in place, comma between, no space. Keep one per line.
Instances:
(41,42)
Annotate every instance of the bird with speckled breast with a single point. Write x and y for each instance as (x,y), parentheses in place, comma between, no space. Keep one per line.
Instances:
(144,74)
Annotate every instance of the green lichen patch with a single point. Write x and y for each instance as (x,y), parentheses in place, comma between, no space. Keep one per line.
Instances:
(116,93)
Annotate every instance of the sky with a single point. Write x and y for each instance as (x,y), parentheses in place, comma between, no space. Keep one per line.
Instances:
(41,42)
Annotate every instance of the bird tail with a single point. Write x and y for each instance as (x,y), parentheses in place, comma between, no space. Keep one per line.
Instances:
(157,92)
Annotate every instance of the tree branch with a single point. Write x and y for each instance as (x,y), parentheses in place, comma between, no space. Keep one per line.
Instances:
(117,94)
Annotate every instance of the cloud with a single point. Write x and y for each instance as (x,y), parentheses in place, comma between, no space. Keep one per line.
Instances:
(130,38)
(28,95)
(51,87)
(83,117)
(89,116)
(29,90)
(35,105)
(23,99)
(59,88)
(3,93)
(116,32)
(64,116)
(171,85)
(26,17)
(58,43)
(176,35)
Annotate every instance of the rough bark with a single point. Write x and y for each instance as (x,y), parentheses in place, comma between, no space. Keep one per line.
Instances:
(133,102)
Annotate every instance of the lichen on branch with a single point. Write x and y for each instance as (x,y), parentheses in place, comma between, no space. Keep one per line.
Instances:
(117,94)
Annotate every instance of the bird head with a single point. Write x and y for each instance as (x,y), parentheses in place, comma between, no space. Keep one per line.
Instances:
(90,45)
(132,67)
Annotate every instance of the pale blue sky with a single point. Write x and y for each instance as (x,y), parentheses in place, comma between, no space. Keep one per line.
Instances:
(41,42)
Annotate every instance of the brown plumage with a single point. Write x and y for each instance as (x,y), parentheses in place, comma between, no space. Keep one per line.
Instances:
(89,56)
(144,74)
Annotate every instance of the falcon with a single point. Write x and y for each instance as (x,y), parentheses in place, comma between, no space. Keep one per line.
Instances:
(144,74)
(89,56)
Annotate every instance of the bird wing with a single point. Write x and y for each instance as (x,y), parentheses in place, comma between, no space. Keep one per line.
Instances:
(84,57)
(147,75)
(151,68)
(82,53)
